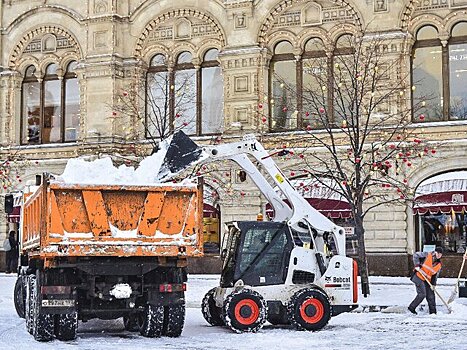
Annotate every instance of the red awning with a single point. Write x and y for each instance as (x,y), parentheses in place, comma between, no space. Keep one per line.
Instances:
(443,202)
(332,208)
(13,217)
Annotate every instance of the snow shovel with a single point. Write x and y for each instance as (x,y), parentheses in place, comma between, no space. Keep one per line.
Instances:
(434,290)
(456,288)
(181,153)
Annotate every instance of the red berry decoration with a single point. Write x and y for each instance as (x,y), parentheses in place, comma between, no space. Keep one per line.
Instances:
(422,117)
(260,106)
(321,110)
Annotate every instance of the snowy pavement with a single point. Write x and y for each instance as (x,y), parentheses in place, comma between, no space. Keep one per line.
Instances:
(356,330)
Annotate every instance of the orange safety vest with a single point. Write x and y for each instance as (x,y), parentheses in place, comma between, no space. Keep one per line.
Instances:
(428,268)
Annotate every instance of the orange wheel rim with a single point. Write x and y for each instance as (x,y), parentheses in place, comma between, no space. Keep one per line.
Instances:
(312,310)
(246,312)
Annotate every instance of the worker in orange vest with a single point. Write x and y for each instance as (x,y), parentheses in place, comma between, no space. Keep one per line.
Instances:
(427,267)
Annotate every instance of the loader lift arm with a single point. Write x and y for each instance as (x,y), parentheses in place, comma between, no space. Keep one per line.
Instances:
(300,215)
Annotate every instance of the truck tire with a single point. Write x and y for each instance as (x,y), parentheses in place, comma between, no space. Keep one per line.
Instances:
(20,296)
(151,321)
(309,309)
(66,326)
(245,311)
(211,312)
(30,301)
(174,319)
(43,324)
(130,322)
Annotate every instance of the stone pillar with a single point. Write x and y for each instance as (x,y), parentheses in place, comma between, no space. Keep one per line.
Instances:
(245,73)
(10,102)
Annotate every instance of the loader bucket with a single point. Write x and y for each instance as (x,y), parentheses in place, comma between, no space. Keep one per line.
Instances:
(181,153)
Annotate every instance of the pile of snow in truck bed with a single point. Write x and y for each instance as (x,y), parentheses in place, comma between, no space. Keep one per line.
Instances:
(103,171)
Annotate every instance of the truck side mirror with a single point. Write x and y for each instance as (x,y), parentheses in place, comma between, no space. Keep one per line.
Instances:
(9,203)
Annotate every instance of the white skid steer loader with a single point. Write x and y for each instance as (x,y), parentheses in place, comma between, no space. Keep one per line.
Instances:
(282,271)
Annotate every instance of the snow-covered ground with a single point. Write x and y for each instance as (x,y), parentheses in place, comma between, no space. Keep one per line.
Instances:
(356,330)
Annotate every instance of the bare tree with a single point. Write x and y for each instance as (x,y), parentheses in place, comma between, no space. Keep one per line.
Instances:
(11,165)
(159,106)
(358,114)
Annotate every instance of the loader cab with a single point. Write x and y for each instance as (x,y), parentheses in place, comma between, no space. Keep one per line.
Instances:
(256,252)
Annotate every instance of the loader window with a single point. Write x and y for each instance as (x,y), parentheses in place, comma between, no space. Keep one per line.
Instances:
(264,253)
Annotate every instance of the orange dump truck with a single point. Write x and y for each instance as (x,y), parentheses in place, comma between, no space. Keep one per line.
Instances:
(90,251)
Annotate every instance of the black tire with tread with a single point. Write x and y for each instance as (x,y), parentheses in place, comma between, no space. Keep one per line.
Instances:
(30,302)
(43,324)
(66,326)
(174,319)
(237,297)
(20,297)
(302,296)
(211,312)
(151,321)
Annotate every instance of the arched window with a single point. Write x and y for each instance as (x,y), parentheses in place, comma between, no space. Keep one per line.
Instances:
(50,111)
(72,106)
(427,75)
(301,88)
(458,72)
(185,90)
(158,98)
(315,82)
(283,88)
(342,93)
(31,109)
(212,96)
(184,97)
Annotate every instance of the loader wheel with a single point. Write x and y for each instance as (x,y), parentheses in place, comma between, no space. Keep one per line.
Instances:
(131,323)
(66,326)
(245,311)
(174,319)
(211,312)
(309,309)
(151,321)
(20,297)
(43,324)
(30,302)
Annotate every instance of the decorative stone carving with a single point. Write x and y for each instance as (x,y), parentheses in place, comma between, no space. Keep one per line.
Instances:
(100,39)
(100,7)
(241,84)
(182,29)
(179,25)
(311,15)
(380,5)
(44,40)
(299,13)
(432,5)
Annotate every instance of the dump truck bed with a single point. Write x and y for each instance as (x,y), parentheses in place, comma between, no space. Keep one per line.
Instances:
(93,220)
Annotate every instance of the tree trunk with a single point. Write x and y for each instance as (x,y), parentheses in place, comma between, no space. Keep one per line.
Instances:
(363,263)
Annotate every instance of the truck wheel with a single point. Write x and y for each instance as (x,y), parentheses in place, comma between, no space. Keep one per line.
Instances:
(131,323)
(151,321)
(30,302)
(43,324)
(20,296)
(211,312)
(245,311)
(174,319)
(309,309)
(66,326)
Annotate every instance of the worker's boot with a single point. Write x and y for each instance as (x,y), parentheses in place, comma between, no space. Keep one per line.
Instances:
(412,310)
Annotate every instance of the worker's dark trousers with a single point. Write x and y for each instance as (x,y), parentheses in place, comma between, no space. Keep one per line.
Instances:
(423,291)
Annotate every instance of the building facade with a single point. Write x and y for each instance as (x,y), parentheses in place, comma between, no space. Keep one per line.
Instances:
(67,67)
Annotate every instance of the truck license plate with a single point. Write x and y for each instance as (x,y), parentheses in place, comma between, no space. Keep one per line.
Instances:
(58,303)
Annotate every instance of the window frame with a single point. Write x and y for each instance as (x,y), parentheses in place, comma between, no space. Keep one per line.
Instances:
(445,70)
(171,71)
(42,81)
